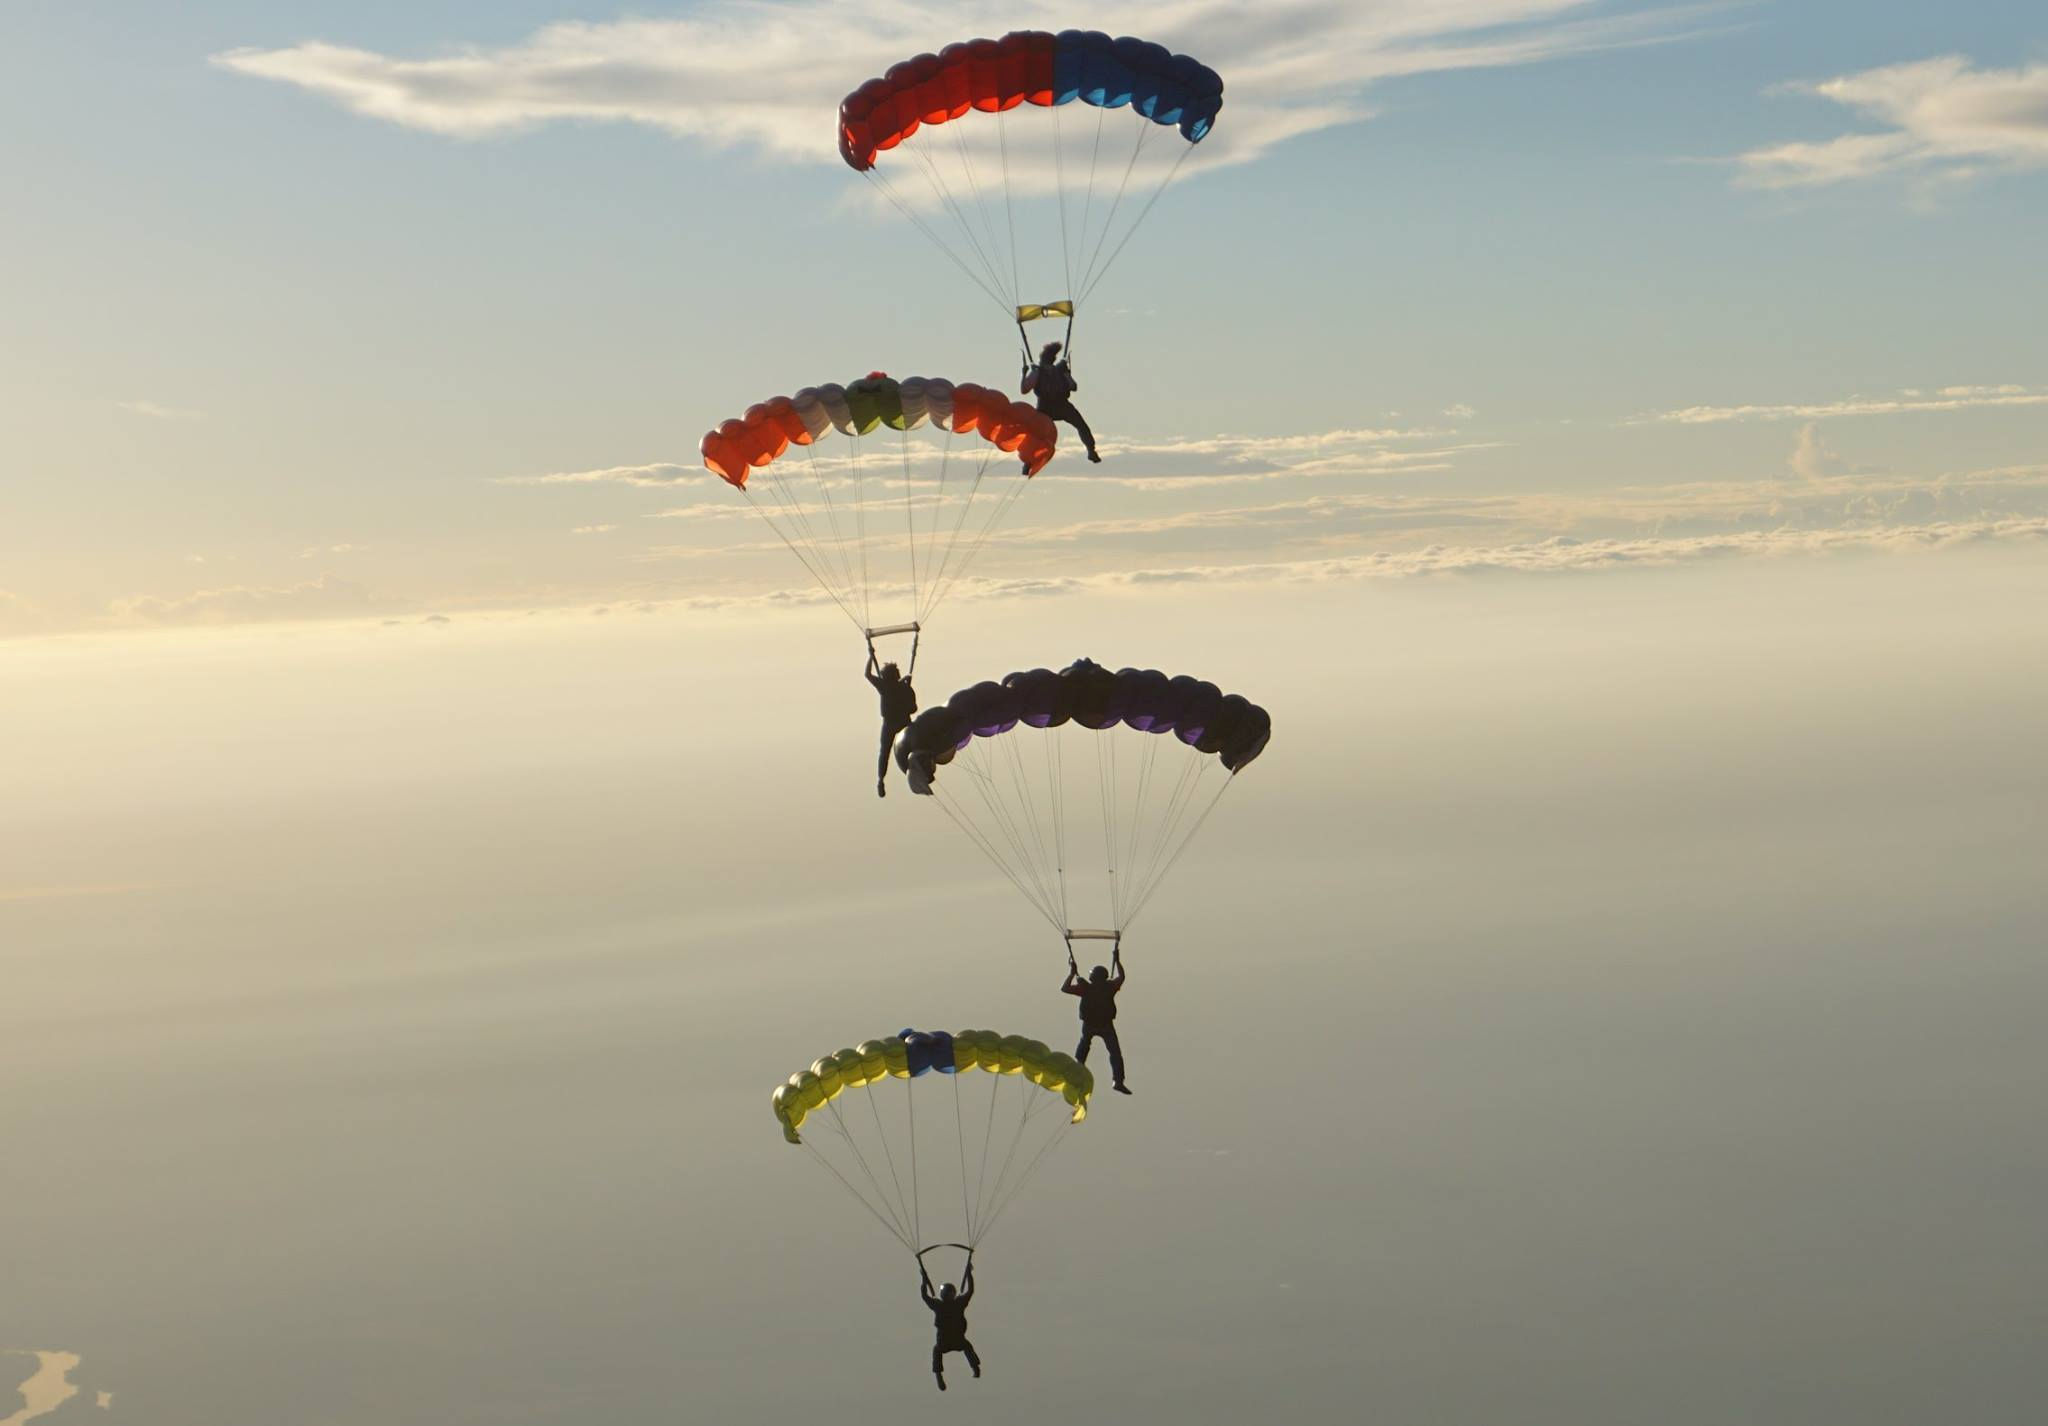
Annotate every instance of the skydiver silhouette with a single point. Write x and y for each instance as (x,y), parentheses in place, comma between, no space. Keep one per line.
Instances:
(949,1318)
(1098,1012)
(899,703)
(1052,382)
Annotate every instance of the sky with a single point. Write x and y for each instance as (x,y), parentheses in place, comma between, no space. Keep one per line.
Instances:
(400,310)
(1607,438)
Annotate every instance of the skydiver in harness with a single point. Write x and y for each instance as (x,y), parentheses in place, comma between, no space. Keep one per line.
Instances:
(899,705)
(949,1317)
(1098,1011)
(1052,382)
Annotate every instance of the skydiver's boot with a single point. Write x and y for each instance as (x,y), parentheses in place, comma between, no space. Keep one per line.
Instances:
(881,787)
(940,1378)
(1121,1088)
(1094,455)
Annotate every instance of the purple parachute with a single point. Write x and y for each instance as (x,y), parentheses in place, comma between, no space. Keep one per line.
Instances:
(1227,726)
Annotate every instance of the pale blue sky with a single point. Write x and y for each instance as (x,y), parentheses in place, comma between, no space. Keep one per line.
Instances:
(272,353)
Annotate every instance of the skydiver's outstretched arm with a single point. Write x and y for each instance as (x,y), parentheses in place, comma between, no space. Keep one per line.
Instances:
(1116,967)
(967,1281)
(1068,368)
(1074,983)
(873,673)
(924,1284)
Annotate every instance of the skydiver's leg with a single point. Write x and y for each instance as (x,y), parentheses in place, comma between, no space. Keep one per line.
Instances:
(882,765)
(1080,423)
(972,1359)
(939,1366)
(1116,1057)
(1087,1039)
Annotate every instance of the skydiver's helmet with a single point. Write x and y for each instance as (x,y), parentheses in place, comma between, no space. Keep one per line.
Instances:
(946,1292)
(1099,973)
(1052,351)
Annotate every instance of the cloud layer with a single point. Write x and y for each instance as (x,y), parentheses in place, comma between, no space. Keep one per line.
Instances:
(747,74)
(1942,117)
(1947,398)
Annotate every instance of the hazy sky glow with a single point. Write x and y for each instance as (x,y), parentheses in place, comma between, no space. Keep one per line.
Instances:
(434,811)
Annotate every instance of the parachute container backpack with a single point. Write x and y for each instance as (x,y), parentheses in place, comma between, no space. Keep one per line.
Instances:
(888,517)
(935,1152)
(1030,161)
(1083,786)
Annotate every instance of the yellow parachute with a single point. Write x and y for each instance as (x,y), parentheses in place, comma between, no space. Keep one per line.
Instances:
(979,1150)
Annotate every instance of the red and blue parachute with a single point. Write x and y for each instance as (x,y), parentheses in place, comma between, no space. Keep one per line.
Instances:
(979,190)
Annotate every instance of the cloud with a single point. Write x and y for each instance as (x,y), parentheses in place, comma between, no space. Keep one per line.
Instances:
(48,1388)
(1811,457)
(1459,411)
(1943,117)
(738,73)
(316,551)
(325,597)
(658,473)
(1948,398)
(156,411)
(1554,555)
(593,529)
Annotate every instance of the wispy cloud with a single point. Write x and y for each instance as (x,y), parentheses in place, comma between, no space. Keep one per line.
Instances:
(659,473)
(1387,525)
(743,73)
(1553,555)
(157,411)
(1943,117)
(325,597)
(593,529)
(1948,398)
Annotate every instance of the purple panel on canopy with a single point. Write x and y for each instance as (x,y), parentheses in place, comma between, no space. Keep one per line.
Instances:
(989,708)
(1201,708)
(1145,699)
(1041,697)
(1231,711)
(1181,691)
(1249,741)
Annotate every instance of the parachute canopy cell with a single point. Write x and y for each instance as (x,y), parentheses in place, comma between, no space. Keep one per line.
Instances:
(1028,67)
